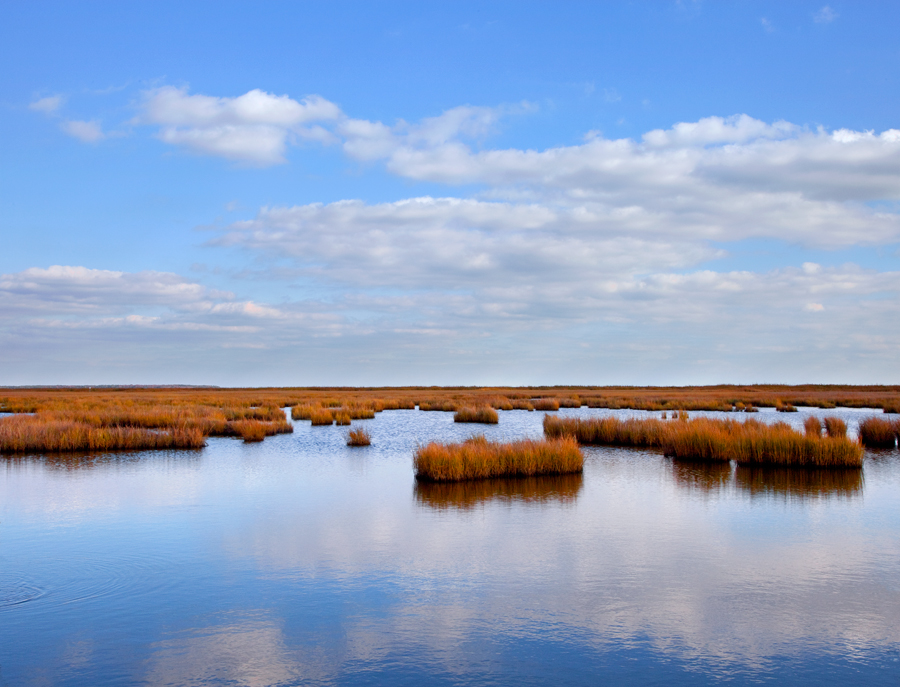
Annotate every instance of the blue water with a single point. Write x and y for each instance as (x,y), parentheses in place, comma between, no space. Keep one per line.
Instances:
(302,561)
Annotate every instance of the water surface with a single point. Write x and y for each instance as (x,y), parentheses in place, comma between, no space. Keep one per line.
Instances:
(303,561)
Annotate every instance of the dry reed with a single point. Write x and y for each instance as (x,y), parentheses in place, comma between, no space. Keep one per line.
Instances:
(358,437)
(26,434)
(484,414)
(708,440)
(477,458)
(813,426)
(545,404)
(835,427)
(877,433)
(321,416)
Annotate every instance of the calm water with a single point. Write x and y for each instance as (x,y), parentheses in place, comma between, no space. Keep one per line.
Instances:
(301,561)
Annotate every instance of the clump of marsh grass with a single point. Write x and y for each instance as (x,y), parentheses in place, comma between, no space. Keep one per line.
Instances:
(438,405)
(522,404)
(27,434)
(321,416)
(709,440)
(572,402)
(813,426)
(250,430)
(358,437)
(484,414)
(835,427)
(341,417)
(877,433)
(891,405)
(545,404)
(785,407)
(477,458)
(502,404)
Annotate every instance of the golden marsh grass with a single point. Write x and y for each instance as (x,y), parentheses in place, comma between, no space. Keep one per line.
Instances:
(877,433)
(358,437)
(478,458)
(708,440)
(484,415)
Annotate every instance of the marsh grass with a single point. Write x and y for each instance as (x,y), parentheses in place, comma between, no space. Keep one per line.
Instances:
(877,433)
(321,416)
(545,404)
(446,406)
(468,494)
(477,458)
(250,430)
(835,427)
(484,414)
(23,434)
(359,437)
(708,440)
(785,407)
(813,426)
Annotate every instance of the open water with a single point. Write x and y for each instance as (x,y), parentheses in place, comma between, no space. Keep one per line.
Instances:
(303,561)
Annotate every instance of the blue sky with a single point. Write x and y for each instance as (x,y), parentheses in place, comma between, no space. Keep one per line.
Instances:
(449,193)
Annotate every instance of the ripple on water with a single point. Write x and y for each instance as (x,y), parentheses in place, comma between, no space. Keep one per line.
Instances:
(16,590)
(78,580)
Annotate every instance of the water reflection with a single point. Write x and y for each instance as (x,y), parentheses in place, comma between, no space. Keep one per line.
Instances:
(703,477)
(799,483)
(557,489)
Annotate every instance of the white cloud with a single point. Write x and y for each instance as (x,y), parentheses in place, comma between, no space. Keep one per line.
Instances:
(86,132)
(48,105)
(252,128)
(826,15)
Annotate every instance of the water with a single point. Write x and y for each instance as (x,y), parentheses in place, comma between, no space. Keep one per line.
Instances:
(303,561)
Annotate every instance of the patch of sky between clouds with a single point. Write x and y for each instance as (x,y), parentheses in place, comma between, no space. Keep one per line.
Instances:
(764,255)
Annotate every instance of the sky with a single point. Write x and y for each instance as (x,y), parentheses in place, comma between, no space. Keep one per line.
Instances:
(450,193)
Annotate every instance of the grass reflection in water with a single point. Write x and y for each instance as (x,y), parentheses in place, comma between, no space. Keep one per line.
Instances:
(466,495)
(768,481)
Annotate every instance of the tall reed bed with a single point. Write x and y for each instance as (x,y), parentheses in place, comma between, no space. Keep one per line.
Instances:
(708,440)
(485,415)
(478,458)
(878,433)
(27,434)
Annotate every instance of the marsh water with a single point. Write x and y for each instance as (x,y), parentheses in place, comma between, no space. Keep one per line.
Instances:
(302,561)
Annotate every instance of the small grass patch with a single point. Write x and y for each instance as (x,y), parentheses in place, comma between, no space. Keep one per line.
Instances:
(835,427)
(484,414)
(477,458)
(545,404)
(877,433)
(358,437)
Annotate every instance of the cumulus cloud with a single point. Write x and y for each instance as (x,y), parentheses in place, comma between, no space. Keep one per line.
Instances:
(252,128)
(48,105)
(86,132)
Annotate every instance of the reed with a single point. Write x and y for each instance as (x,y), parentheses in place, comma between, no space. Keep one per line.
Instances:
(321,416)
(891,405)
(250,430)
(545,404)
(572,402)
(484,414)
(785,407)
(341,417)
(438,405)
(877,433)
(477,458)
(502,404)
(358,437)
(835,427)
(708,440)
(522,404)
(813,427)
(27,434)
